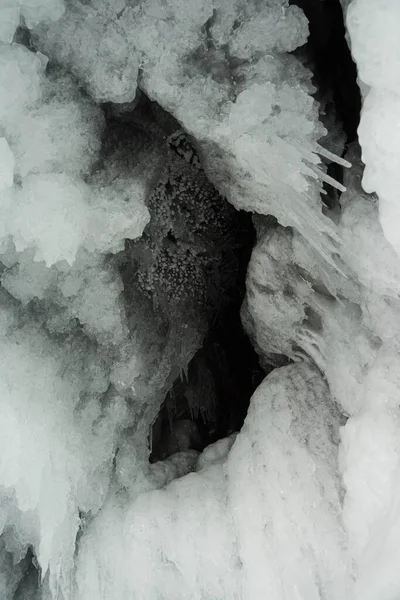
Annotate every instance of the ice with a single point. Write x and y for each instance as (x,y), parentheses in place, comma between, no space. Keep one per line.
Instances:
(9,576)
(9,21)
(35,219)
(47,437)
(302,502)
(252,522)
(60,420)
(25,278)
(93,45)
(216,453)
(32,11)
(20,77)
(92,294)
(36,11)
(345,323)
(63,136)
(77,344)
(290,492)
(7,162)
(196,79)
(370,462)
(373,26)
(55,214)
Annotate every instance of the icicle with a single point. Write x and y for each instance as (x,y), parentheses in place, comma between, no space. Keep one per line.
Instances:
(309,155)
(333,157)
(330,180)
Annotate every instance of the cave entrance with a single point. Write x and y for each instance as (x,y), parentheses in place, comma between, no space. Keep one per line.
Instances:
(197,248)
(210,400)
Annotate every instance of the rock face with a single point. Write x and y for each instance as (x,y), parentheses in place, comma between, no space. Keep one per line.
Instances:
(134,137)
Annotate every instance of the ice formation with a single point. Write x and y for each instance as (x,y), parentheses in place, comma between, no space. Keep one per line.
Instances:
(113,240)
(378,72)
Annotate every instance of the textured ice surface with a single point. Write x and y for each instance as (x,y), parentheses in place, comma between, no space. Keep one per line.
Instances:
(223,70)
(59,416)
(347,322)
(375,46)
(50,147)
(32,12)
(262,520)
(303,501)
(7,161)
(55,449)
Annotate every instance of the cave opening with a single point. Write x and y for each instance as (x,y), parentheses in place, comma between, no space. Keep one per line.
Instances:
(195,249)
(224,373)
(207,398)
(226,366)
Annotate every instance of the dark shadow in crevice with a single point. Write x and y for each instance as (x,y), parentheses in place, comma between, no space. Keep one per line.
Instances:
(335,77)
(209,400)
(334,69)
(29,586)
(214,394)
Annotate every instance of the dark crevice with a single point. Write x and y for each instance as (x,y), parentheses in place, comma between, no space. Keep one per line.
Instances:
(191,267)
(29,586)
(190,264)
(23,36)
(334,69)
(215,391)
(227,365)
(335,78)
